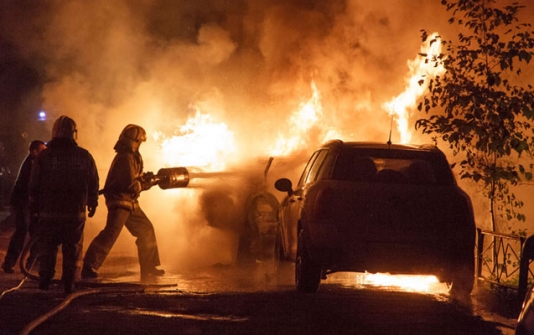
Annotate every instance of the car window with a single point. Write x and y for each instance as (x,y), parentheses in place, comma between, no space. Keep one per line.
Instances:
(392,166)
(326,166)
(316,166)
(307,168)
(355,168)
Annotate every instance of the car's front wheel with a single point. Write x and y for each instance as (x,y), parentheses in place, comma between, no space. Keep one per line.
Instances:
(307,272)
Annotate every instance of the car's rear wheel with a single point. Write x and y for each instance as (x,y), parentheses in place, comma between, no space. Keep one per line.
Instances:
(307,272)
(462,280)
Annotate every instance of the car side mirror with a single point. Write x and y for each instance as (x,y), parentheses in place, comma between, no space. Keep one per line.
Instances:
(284,185)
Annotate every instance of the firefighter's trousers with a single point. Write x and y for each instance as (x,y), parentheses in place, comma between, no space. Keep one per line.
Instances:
(68,233)
(138,225)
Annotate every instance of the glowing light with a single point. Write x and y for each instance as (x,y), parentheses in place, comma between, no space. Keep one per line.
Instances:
(421,68)
(300,123)
(200,142)
(412,283)
(42,115)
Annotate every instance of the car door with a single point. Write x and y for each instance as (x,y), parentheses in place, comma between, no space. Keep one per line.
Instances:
(294,203)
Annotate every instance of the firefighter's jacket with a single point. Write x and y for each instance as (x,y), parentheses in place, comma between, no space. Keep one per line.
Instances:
(64,181)
(124,181)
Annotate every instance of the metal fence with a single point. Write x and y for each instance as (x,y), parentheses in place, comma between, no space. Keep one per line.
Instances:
(504,260)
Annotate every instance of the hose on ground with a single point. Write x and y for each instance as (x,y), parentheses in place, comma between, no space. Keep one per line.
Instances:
(22,258)
(41,319)
(91,288)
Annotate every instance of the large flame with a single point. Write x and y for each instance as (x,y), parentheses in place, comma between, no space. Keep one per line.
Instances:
(300,123)
(200,142)
(421,68)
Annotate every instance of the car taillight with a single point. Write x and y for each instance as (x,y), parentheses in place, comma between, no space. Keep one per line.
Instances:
(323,206)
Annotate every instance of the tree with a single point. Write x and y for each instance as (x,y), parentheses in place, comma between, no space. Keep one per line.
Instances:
(479,105)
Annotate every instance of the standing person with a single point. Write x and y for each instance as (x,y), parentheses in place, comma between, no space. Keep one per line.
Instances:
(124,183)
(21,210)
(64,182)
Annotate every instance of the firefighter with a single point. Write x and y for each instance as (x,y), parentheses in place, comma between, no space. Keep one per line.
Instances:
(124,183)
(63,186)
(19,204)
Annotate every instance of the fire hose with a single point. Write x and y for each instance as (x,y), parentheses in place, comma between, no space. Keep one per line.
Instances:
(175,177)
(166,178)
(90,288)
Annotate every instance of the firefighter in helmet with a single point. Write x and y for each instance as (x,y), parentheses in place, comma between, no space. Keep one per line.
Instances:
(124,183)
(63,184)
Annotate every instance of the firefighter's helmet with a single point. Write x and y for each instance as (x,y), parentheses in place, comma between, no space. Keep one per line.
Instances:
(64,127)
(131,137)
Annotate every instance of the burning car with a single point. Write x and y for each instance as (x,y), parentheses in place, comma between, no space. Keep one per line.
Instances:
(377,207)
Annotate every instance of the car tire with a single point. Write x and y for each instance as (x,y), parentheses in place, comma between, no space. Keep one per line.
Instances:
(463,280)
(307,272)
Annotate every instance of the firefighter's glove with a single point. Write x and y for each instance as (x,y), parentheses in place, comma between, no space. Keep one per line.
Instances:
(148,180)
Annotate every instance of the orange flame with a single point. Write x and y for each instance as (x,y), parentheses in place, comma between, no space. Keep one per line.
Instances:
(200,142)
(300,123)
(421,68)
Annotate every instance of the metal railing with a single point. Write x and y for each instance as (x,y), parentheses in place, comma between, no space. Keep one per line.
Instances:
(504,260)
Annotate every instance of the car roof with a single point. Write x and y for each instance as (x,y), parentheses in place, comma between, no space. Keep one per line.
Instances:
(380,145)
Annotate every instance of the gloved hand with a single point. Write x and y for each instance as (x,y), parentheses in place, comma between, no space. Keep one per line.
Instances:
(148,180)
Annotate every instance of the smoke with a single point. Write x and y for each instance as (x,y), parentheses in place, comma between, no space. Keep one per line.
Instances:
(248,64)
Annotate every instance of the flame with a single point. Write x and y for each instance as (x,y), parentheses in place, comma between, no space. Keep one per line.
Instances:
(411,283)
(200,142)
(421,68)
(300,123)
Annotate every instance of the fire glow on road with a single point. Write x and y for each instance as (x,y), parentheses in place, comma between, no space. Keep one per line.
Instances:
(424,284)
(410,283)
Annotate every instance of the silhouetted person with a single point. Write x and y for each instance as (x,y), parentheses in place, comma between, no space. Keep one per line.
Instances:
(21,210)
(124,183)
(63,184)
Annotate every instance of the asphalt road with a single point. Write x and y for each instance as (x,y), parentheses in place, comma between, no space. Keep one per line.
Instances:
(239,300)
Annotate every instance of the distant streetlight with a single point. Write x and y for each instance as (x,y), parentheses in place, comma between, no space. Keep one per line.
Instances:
(42,115)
